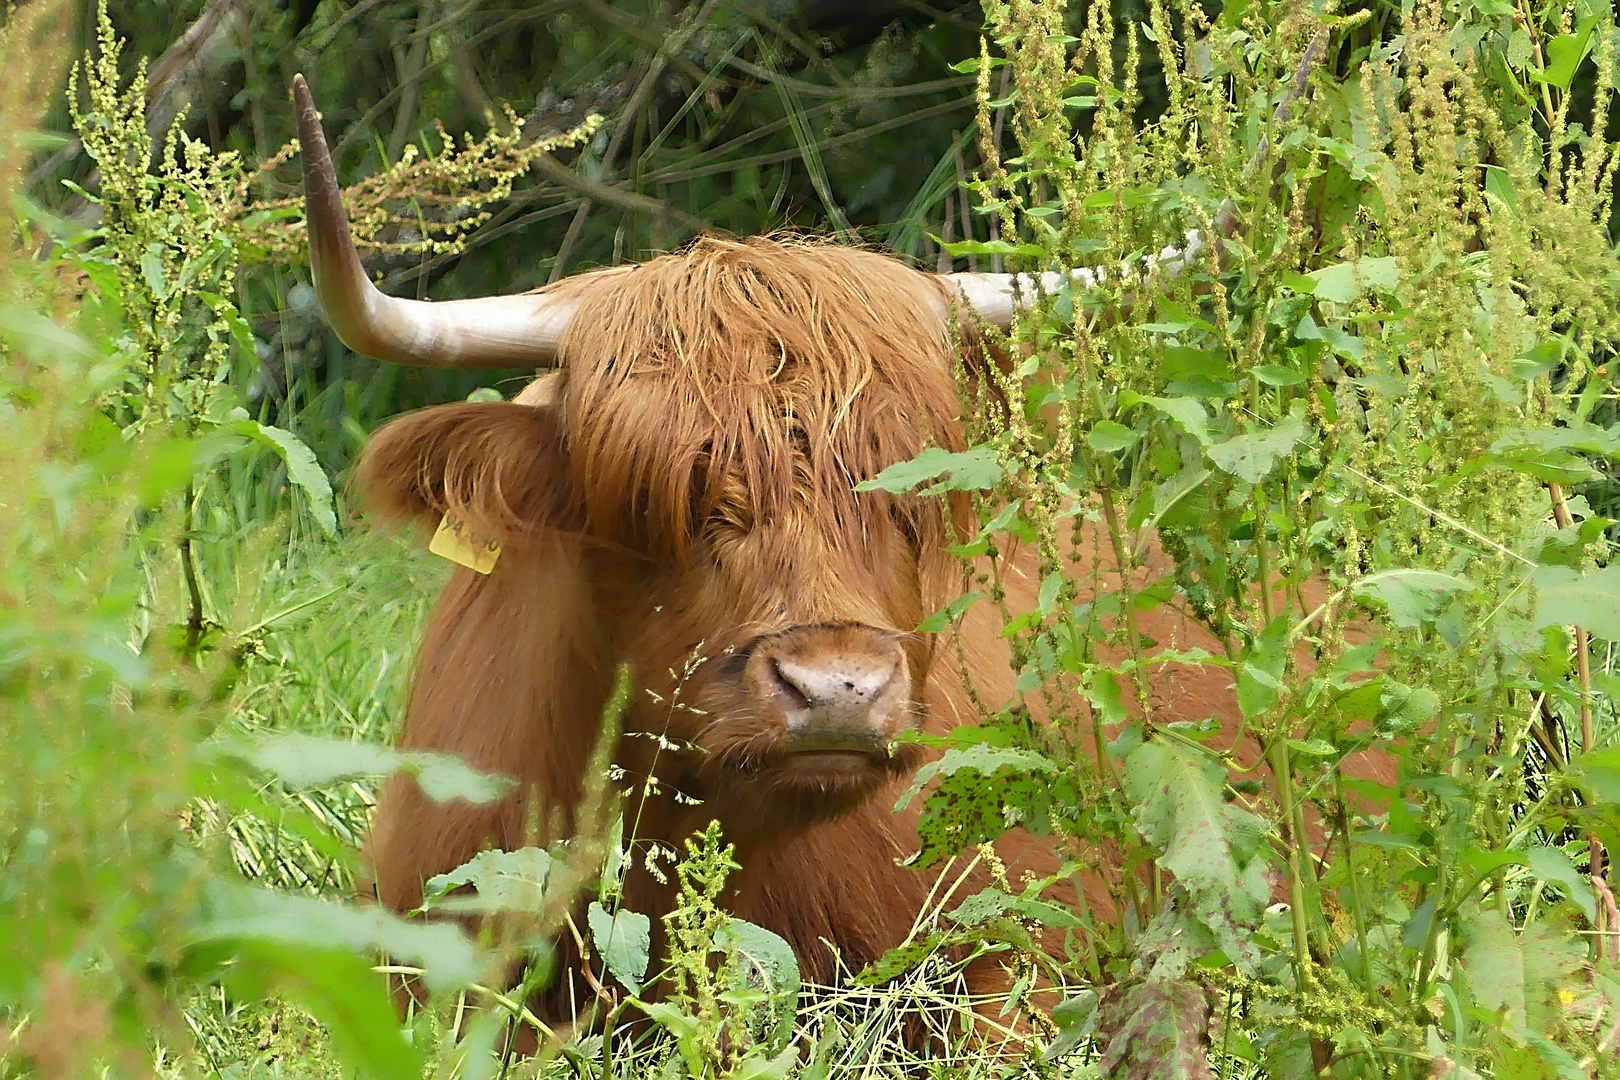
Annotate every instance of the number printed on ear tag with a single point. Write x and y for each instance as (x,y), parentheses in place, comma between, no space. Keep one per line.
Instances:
(461,543)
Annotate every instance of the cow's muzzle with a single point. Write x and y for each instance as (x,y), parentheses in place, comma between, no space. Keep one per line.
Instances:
(835,693)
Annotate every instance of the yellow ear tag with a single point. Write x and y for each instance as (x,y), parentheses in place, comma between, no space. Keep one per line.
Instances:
(461,543)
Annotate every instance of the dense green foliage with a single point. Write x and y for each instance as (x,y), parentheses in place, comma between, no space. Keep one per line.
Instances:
(1366,420)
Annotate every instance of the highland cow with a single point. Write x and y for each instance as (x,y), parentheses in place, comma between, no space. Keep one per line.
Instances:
(680,493)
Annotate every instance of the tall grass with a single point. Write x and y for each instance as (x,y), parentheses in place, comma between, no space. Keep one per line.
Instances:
(1376,384)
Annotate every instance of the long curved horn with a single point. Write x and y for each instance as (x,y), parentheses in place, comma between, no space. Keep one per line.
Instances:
(996,297)
(489,332)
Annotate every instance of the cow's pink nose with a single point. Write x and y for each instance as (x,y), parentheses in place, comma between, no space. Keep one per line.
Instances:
(833,688)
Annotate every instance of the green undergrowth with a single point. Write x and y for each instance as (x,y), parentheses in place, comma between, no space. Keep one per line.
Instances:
(1382,382)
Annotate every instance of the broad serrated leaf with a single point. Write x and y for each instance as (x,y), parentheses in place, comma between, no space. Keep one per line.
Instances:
(1209,844)
(1564,54)
(1260,676)
(152,271)
(942,618)
(624,941)
(313,761)
(40,337)
(1076,1019)
(504,881)
(1274,375)
(1107,437)
(1413,596)
(302,468)
(1154,1029)
(982,759)
(766,962)
(1554,454)
(1552,864)
(1253,456)
(990,902)
(760,1067)
(975,469)
(1519,972)
(964,248)
(1184,410)
(226,312)
(1343,282)
(336,986)
(238,913)
(1567,597)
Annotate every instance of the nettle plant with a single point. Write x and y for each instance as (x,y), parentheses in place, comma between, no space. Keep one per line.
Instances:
(162,264)
(1355,417)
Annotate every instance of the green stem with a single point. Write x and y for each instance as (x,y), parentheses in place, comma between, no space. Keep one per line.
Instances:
(1283,775)
(1432,938)
(1358,906)
(1127,596)
(188,564)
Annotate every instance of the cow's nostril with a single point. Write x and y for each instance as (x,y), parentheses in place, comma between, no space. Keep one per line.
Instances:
(797,695)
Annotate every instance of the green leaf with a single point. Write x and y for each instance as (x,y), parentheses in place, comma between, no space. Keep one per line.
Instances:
(624,940)
(1554,454)
(1313,747)
(991,902)
(1520,973)
(41,338)
(991,247)
(1565,597)
(1552,864)
(313,761)
(1273,375)
(1106,436)
(1346,345)
(1183,410)
(504,880)
(168,467)
(239,913)
(1499,190)
(1601,771)
(1154,1029)
(760,1067)
(1051,586)
(1413,596)
(1209,844)
(1257,689)
(1343,282)
(226,312)
(1076,1019)
(981,758)
(337,987)
(1252,457)
(152,271)
(1176,488)
(674,1021)
(1564,55)
(975,469)
(302,468)
(939,620)
(766,962)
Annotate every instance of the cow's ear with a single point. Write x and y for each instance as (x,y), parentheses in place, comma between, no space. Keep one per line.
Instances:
(499,466)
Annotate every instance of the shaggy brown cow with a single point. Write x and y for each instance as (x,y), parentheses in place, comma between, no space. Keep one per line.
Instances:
(683,486)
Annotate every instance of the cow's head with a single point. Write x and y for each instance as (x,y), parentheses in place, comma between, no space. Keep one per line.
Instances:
(698,448)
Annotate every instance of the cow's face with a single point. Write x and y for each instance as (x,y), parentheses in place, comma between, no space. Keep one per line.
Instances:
(783,651)
(707,471)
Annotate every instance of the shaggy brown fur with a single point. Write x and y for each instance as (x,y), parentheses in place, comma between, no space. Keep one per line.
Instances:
(683,486)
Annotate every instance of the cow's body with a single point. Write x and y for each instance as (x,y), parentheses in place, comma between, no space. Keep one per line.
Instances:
(680,489)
